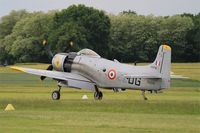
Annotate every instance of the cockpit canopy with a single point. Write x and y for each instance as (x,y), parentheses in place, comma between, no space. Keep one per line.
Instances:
(88,52)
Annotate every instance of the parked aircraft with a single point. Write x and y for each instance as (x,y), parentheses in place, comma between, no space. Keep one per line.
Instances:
(86,69)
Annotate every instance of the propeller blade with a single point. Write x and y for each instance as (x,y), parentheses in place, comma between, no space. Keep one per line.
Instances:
(42,78)
(45,43)
(50,68)
(49,50)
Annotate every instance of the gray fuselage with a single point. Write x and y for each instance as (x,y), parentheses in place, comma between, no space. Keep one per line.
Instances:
(112,74)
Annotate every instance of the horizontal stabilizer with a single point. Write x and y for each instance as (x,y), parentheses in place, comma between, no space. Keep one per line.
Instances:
(174,76)
(178,77)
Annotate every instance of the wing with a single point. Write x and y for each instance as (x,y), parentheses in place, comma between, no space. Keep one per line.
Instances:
(73,80)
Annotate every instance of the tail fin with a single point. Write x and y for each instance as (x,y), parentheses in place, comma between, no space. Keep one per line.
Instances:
(162,64)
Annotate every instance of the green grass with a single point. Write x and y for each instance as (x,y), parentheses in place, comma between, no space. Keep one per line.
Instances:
(176,110)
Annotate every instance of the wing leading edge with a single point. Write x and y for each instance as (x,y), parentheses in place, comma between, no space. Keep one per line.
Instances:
(74,80)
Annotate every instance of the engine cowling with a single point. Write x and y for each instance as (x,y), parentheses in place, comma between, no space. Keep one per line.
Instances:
(63,61)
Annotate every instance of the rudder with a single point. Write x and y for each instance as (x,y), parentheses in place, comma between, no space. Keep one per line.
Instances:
(162,64)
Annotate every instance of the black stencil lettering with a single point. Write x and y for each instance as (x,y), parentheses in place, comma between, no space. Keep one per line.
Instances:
(137,81)
(131,80)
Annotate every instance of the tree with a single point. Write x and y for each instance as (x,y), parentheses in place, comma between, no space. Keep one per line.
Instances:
(134,37)
(129,12)
(127,36)
(6,25)
(85,26)
(8,22)
(173,31)
(192,48)
(25,41)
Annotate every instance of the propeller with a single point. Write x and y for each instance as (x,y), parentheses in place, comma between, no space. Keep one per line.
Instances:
(50,68)
(47,47)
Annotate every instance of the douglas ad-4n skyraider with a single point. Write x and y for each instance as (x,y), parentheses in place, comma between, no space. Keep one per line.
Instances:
(86,69)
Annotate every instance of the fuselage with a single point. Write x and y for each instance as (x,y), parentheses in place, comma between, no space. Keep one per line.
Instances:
(112,74)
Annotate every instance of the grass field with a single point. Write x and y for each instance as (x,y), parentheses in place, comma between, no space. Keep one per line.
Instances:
(176,110)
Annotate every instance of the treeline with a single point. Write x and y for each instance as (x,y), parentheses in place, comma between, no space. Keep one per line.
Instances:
(137,37)
(127,36)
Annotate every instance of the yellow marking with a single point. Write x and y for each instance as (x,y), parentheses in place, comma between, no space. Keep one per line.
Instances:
(44,42)
(18,69)
(167,47)
(71,43)
(57,61)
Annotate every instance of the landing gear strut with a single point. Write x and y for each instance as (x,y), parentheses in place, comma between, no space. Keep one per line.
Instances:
(98,95)
(115,89)
(56,94)
(143,94)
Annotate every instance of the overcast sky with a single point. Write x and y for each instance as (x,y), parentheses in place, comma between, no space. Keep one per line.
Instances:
(144,7)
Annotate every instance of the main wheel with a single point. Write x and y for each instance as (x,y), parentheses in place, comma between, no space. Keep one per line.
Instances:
(55,95)
(98,95)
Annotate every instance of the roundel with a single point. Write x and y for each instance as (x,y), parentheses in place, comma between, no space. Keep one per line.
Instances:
(112,74)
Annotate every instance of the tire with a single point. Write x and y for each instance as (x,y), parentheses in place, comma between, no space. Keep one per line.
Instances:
(98,95)
(55,95)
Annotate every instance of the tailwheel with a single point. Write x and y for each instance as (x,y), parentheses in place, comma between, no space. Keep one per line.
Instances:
(143,94)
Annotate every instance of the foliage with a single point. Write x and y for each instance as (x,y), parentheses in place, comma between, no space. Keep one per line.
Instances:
(193,37)
(136,37)
(127,36)
(6,26)
(84,26)
(24,44)
(9,21)
(173,31)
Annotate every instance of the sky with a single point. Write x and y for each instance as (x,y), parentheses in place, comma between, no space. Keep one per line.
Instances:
(143,7)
